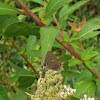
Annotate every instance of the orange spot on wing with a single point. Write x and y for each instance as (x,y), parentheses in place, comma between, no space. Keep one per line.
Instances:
(46,64)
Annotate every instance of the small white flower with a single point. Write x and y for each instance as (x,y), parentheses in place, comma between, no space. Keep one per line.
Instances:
(64,86)
(85,97)
(63,95)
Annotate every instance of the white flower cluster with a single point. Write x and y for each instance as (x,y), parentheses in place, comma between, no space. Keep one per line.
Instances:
(85,98)
(67,92)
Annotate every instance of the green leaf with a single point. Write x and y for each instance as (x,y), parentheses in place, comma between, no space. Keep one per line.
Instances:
(76,44)
(65,59)
(38,1)
(31,48)
(66,36)
(54,5)
(30,43)
(20,95)
(37,9)
(57,45)
(69,74)
(47,20)
(3,94)
(85,86)
(25,81)
(74,37)
(6,20)
(96,58)
(47,38)
(1,98)
(74,98)
(74,61)
(90,35)
(7,9)
(33,53)
(98,84)
(84,73)
(67,10)
(21,71)
(89,27)
(20,28)
(88,53)
(14,79)
(62,11)
(89,64)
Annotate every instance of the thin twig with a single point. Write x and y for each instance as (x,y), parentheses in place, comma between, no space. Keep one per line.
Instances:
(55,20)
(15,46)
(4,63)
(4,83)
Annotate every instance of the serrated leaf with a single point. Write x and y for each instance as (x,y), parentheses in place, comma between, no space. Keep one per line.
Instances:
(3,94)
(85,86)
(21,71)
(89,27)
(88,54)
(66,11)
(54,5)
(6,20)
(25,81)
(7,9)
(20,28)
(47,39)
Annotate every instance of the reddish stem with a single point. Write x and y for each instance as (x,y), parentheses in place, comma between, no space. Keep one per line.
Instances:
(32,15)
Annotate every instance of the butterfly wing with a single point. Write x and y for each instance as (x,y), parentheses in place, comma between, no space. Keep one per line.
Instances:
(51,60)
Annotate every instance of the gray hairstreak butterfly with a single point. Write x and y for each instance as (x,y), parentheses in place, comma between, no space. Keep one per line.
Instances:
(51,62)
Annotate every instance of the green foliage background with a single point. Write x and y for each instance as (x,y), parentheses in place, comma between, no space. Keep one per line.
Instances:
(32,40)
